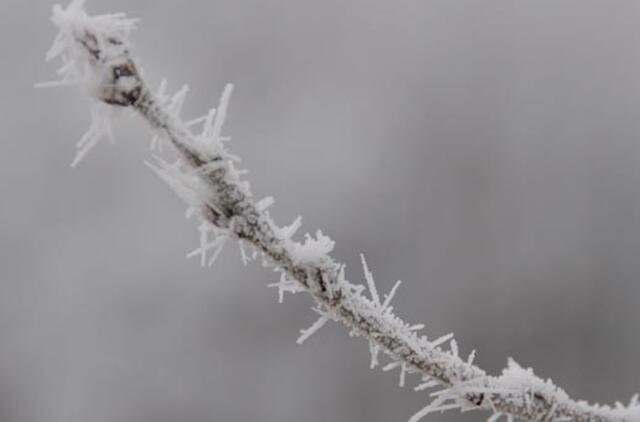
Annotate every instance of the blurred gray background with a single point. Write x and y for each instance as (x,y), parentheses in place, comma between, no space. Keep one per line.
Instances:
(486,153)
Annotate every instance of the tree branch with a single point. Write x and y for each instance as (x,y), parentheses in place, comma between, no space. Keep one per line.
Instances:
(96,55)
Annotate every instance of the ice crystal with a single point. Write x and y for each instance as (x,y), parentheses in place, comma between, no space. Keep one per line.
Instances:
(320,322)
(99,129)
(214,245)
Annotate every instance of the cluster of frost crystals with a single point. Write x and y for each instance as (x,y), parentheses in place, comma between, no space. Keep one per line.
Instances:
(188,182)
(631,412)
(85,42)
(314,250)
(525,390)
(173,104)
(212,241)
(86,45)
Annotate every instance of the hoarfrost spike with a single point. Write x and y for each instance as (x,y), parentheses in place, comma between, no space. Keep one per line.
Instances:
(440,340)
(494,417)
(100,128)
(370,282)
(390,295)
(288,231)
(305,334)
(265,203)
(403,374)
(221,114)
(427,385)
(391,366)
(471,357)
(177,101)
(374,350)
(453,345)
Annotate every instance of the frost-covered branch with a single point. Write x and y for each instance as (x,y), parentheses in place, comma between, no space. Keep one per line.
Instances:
(96,55)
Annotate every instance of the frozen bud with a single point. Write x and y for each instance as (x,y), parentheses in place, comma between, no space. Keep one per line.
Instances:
(120,84)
